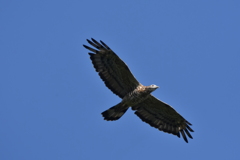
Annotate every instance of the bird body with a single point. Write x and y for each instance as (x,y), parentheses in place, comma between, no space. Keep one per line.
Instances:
(131,99)
(138,95)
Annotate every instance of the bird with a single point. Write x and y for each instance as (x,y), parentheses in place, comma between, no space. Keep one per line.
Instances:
(118,78)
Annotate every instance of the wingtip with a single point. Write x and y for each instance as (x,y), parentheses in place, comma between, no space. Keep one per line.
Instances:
(85,46)
(105,45)
(188,123)
(184,136)
(94,40)
(189,128)
(89,41)
(189,135)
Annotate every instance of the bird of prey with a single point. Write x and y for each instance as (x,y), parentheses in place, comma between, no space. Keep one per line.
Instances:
(119,79)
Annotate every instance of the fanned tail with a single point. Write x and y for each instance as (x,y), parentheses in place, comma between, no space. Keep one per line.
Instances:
(115,112)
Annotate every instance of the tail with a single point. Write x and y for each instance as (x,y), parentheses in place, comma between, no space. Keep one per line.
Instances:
(115,112)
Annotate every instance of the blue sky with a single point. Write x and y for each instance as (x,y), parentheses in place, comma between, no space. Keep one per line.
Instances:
(51,97)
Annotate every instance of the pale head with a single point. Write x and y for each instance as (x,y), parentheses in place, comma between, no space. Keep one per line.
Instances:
(152,87)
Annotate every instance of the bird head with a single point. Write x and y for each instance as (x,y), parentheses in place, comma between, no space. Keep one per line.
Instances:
(152,87)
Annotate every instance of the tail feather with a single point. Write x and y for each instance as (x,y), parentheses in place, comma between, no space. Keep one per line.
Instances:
(115,112)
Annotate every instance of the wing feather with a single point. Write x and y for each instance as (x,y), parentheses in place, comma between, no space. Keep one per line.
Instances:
(112,70)
(162,116)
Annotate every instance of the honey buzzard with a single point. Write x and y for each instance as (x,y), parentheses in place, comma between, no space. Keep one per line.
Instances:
(119,79)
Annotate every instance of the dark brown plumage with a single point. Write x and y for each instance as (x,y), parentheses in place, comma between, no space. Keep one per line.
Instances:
(119,79)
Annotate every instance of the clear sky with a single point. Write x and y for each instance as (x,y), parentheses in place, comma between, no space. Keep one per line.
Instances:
(51,97)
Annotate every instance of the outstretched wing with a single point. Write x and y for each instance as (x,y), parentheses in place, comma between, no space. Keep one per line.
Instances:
(163,117)
(112,70)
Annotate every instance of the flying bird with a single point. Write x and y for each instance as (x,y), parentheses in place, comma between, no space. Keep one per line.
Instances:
(119,79)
